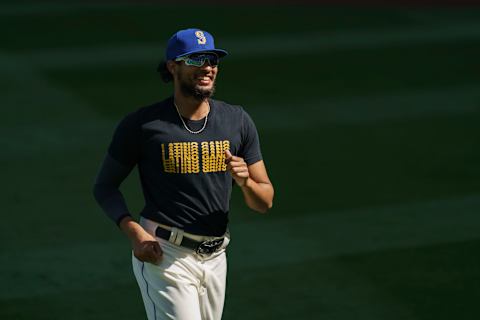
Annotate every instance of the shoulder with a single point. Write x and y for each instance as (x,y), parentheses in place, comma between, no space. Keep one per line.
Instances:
(154,109)
(147,113)
(235,113)
(228,109)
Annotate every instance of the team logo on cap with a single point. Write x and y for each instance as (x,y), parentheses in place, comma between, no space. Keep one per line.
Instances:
(200,37)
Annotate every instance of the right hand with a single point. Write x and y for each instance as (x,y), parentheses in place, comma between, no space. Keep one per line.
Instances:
(145,247)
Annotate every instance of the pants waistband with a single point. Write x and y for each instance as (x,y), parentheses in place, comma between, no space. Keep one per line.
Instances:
(150,226)
(202,245)
(195,237)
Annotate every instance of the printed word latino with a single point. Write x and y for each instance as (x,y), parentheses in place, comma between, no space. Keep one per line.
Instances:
(194,157)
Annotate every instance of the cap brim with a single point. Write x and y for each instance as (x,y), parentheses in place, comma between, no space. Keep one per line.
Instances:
(221,53)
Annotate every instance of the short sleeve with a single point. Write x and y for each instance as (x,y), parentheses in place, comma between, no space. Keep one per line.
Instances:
(250,147)
(126,142)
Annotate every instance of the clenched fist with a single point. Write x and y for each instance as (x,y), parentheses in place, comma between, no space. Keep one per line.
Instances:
(237,167)
(146,248)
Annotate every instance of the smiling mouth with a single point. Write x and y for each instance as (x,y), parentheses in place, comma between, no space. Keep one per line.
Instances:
(204,80)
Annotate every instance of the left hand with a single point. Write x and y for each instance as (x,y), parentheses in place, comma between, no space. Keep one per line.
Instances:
(237,167)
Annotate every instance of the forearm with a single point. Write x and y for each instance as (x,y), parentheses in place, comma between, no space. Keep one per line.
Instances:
(258,195)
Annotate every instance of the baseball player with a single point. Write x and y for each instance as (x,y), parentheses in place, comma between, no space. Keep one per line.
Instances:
(189,150)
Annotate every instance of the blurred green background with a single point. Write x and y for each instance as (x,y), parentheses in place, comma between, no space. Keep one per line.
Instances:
(369,124)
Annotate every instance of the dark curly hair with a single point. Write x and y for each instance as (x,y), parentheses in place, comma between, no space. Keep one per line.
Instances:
(164,73)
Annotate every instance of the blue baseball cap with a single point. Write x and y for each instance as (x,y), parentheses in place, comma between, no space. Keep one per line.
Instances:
(189,41)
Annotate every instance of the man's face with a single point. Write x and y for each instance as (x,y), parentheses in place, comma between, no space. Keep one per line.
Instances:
(196,82)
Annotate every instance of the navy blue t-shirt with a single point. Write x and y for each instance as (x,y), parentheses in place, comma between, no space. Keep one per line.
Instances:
(183,175)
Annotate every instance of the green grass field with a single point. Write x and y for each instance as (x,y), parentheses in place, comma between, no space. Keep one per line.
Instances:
(369,123)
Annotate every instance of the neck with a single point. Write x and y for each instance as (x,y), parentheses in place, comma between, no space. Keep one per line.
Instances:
(191,108)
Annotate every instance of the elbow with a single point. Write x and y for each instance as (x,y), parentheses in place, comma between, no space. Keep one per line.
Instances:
(96,192)
(101,192)
(267,205)
(263,202)
(269,202)
(270,205)
(265,208)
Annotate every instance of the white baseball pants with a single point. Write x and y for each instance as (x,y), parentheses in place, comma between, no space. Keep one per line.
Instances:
(185,286)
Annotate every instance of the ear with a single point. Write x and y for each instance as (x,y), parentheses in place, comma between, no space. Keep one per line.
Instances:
(171,65)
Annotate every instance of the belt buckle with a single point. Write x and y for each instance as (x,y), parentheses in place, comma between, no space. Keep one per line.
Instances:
(209,246)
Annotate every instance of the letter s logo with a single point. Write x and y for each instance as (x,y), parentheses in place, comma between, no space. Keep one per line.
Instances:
(200,37)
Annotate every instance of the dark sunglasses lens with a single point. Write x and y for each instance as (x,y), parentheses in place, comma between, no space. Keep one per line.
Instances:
(213,59)
(201,58)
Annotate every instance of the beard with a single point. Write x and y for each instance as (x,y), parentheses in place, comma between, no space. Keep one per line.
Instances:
(195,91)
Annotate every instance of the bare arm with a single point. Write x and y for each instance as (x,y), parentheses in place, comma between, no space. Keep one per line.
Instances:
(253,180)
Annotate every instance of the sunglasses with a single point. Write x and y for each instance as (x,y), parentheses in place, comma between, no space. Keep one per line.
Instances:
(198,60)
